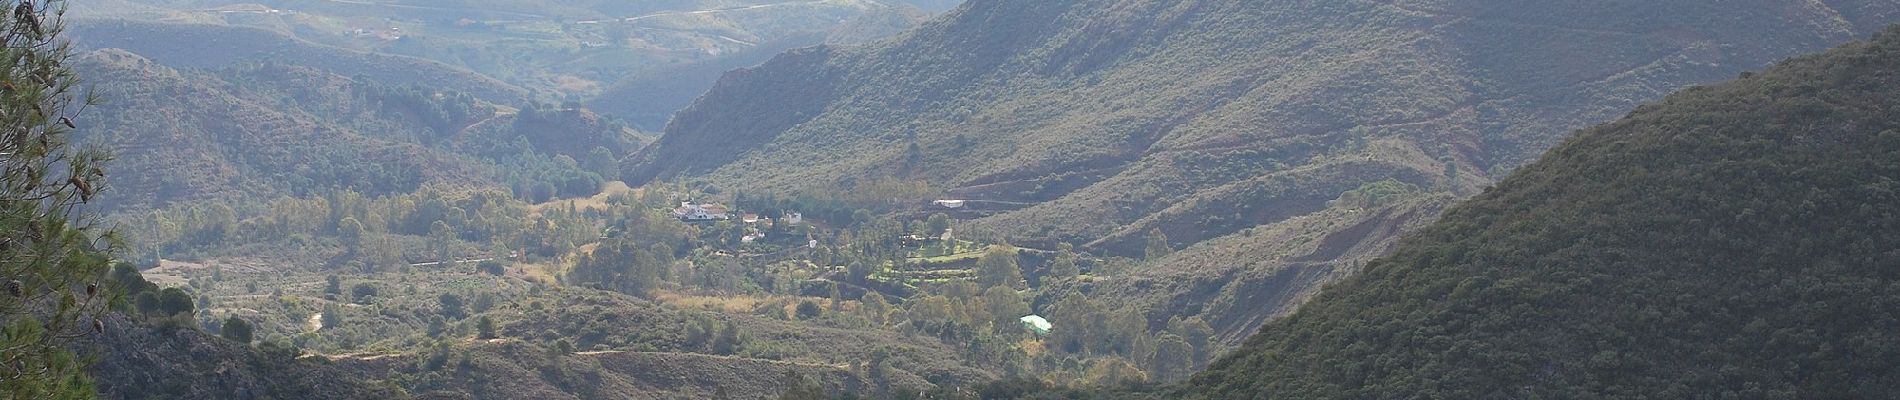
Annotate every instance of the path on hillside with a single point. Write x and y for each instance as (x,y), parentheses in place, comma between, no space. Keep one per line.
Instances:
(698,355)
(435,263)
(700,12)
(433,8)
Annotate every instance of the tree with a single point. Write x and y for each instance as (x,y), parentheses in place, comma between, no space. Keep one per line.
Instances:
(860,271)
(332,316)
(1196,332)
(1004,306)
(146,302)
(452,306)
(936,224)
(1066,264)
(876,308)
(485,328)
(797,387)
(1173,358)
(441,240)
(728,341)
(236,329)
(837,296)
(351,232)
(363,292)
(1113,372)
(174,301)
(333,285)
(1158,246)
(808,310)
(130,280)
(601,161)
(491,267)
(997,267)
(54,251)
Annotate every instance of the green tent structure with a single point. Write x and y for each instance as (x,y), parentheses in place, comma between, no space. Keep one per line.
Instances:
(1035,323)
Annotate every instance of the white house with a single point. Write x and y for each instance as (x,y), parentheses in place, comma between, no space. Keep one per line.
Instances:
(688,211)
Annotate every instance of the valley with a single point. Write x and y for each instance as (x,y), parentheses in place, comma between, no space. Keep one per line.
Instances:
(843,199)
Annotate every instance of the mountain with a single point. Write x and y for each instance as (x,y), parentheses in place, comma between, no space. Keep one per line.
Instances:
(1249,123)
(258,131)
(1730,240)
(214,46)
(565,50)
(648,99)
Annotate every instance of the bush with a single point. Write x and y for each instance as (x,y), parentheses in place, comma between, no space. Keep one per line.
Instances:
(236,329)
(491,267)
(808,310)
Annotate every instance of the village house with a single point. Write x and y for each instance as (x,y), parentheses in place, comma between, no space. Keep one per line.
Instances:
(690,212)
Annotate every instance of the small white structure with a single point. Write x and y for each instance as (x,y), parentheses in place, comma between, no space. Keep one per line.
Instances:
(949,203)
(690,212)
(1035,323)
(794,218)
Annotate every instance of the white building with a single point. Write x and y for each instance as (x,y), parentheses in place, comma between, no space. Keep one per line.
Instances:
(688,211)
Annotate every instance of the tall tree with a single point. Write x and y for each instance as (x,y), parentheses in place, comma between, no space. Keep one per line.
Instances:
(998,267)
(49,264)
(1158,246)
(1004,308)
(1066,264)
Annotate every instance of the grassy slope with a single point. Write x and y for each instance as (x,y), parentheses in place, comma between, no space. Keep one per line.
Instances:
(1728,240)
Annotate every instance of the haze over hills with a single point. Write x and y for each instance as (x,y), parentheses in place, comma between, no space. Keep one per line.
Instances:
(1729,240)
(450,199)
(557,51)
(1243,124)
(266,130)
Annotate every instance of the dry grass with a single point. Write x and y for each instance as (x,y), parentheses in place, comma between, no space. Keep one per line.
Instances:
(595,202)
(539,272)
(730,304)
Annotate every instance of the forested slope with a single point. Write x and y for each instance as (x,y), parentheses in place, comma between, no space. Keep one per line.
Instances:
(1734,240)
(256,131)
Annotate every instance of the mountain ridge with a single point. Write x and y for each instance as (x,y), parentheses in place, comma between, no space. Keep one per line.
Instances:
(1722,240)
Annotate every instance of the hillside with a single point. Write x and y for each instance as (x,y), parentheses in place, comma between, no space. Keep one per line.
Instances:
(565,50)
(1730,240)
(258,131)
(139,361)
(1105,120)
(649,98)
(211,46)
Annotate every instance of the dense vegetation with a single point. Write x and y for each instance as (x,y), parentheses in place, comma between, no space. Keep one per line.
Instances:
(52,252)
(1731,241)
(259,131)
(1097,122)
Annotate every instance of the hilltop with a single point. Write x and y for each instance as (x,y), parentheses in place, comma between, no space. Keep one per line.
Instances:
(1100,122)
(1727,240)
